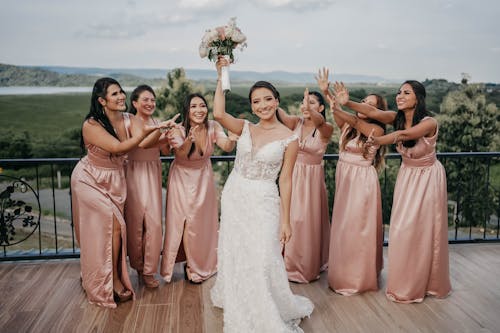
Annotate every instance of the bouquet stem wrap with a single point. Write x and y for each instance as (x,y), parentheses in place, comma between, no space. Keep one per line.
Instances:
(226,84)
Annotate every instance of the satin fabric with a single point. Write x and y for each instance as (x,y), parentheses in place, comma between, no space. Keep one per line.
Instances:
(143,209)
(98,192)
(192,214)
(418,235)
(356,238)
(306,254)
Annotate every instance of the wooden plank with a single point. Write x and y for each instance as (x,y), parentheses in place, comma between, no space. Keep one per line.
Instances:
(47,297)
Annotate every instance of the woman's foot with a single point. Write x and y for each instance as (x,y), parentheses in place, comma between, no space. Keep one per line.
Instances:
(120,293)
(186,276)
(150,281)
(122,296)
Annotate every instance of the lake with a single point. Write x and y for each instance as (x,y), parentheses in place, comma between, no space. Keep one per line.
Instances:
(48,90)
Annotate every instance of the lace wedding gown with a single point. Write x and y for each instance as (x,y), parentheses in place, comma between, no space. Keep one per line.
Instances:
(252,285)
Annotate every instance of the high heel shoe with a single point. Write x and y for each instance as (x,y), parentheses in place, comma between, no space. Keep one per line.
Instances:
(122,296)
(187,278)
(150,281)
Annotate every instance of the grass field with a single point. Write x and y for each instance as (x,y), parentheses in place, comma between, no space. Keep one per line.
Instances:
(43,116)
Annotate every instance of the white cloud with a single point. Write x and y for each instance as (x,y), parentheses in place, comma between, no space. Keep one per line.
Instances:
(294,4)
(202,4)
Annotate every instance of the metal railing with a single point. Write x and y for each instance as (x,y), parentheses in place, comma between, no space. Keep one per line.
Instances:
(35,198)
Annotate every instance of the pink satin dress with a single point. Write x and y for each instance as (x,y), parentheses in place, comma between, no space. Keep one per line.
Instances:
(98,193)
(306,254)
(418,235)
(192,214)
(143,209)
(356,237)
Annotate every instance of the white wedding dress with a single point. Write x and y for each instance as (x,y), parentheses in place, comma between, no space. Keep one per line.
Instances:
(252,285)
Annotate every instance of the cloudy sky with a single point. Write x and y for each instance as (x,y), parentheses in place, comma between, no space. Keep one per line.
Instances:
(395,39)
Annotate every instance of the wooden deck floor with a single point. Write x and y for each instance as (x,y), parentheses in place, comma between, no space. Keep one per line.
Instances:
(47,297)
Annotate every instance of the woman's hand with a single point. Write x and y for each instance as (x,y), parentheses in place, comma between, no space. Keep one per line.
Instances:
(221,62)
(371,140)
(322,79)
(285,233)
(341,93)
(304,107)
(169,124)
(193,133)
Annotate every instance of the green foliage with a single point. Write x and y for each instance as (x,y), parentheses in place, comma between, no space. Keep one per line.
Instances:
(170,98)
(15,144)
(468,123)
(35,77)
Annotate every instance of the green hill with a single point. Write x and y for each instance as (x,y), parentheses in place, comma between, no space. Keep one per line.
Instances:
(11,75)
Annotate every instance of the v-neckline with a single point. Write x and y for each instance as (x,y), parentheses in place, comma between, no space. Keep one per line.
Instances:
(303,141)
(253,150)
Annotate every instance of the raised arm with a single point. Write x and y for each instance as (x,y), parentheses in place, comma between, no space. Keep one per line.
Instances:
(285,185)
(93,133)
(288,120)
(342,97)
(156,138)
(360,125)
(425,128)
(323,127)
(222,140)
(220,115)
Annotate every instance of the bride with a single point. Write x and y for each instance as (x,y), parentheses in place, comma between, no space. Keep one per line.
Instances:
(252,285)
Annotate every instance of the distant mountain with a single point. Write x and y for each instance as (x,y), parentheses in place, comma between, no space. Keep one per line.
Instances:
(43,77)
(205,74)
(11,75)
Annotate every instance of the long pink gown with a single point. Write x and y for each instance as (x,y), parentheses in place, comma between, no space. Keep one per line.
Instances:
(192,214)
(98,193)
(143,209)
(418,235)
(306,254)
(356,237)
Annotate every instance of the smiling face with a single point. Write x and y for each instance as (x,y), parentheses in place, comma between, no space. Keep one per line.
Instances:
(115,99)
(145,104)
(406,98)
(370,100)
(263,103)
(198,111)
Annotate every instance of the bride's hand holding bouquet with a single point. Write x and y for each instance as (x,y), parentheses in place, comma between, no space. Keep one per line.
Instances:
(221,41)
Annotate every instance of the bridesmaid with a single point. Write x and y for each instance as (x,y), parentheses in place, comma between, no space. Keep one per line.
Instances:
(143,207)
(306,254)
(418,235)
(98,189)
(355,259)
(192,218)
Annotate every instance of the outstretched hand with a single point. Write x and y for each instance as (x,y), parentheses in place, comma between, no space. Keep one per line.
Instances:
(341,93)
(322,79)
(370,141)
(169,124)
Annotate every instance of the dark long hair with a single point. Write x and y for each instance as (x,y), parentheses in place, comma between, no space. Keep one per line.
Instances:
(378,161)
(268,86)
(96,109)
(185,117)
(420,110)
(134,97)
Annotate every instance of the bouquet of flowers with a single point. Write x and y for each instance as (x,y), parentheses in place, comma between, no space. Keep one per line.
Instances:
(222,41)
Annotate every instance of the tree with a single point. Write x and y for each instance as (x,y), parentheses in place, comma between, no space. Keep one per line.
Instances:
(15,144)
(468,123)
(170,98)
